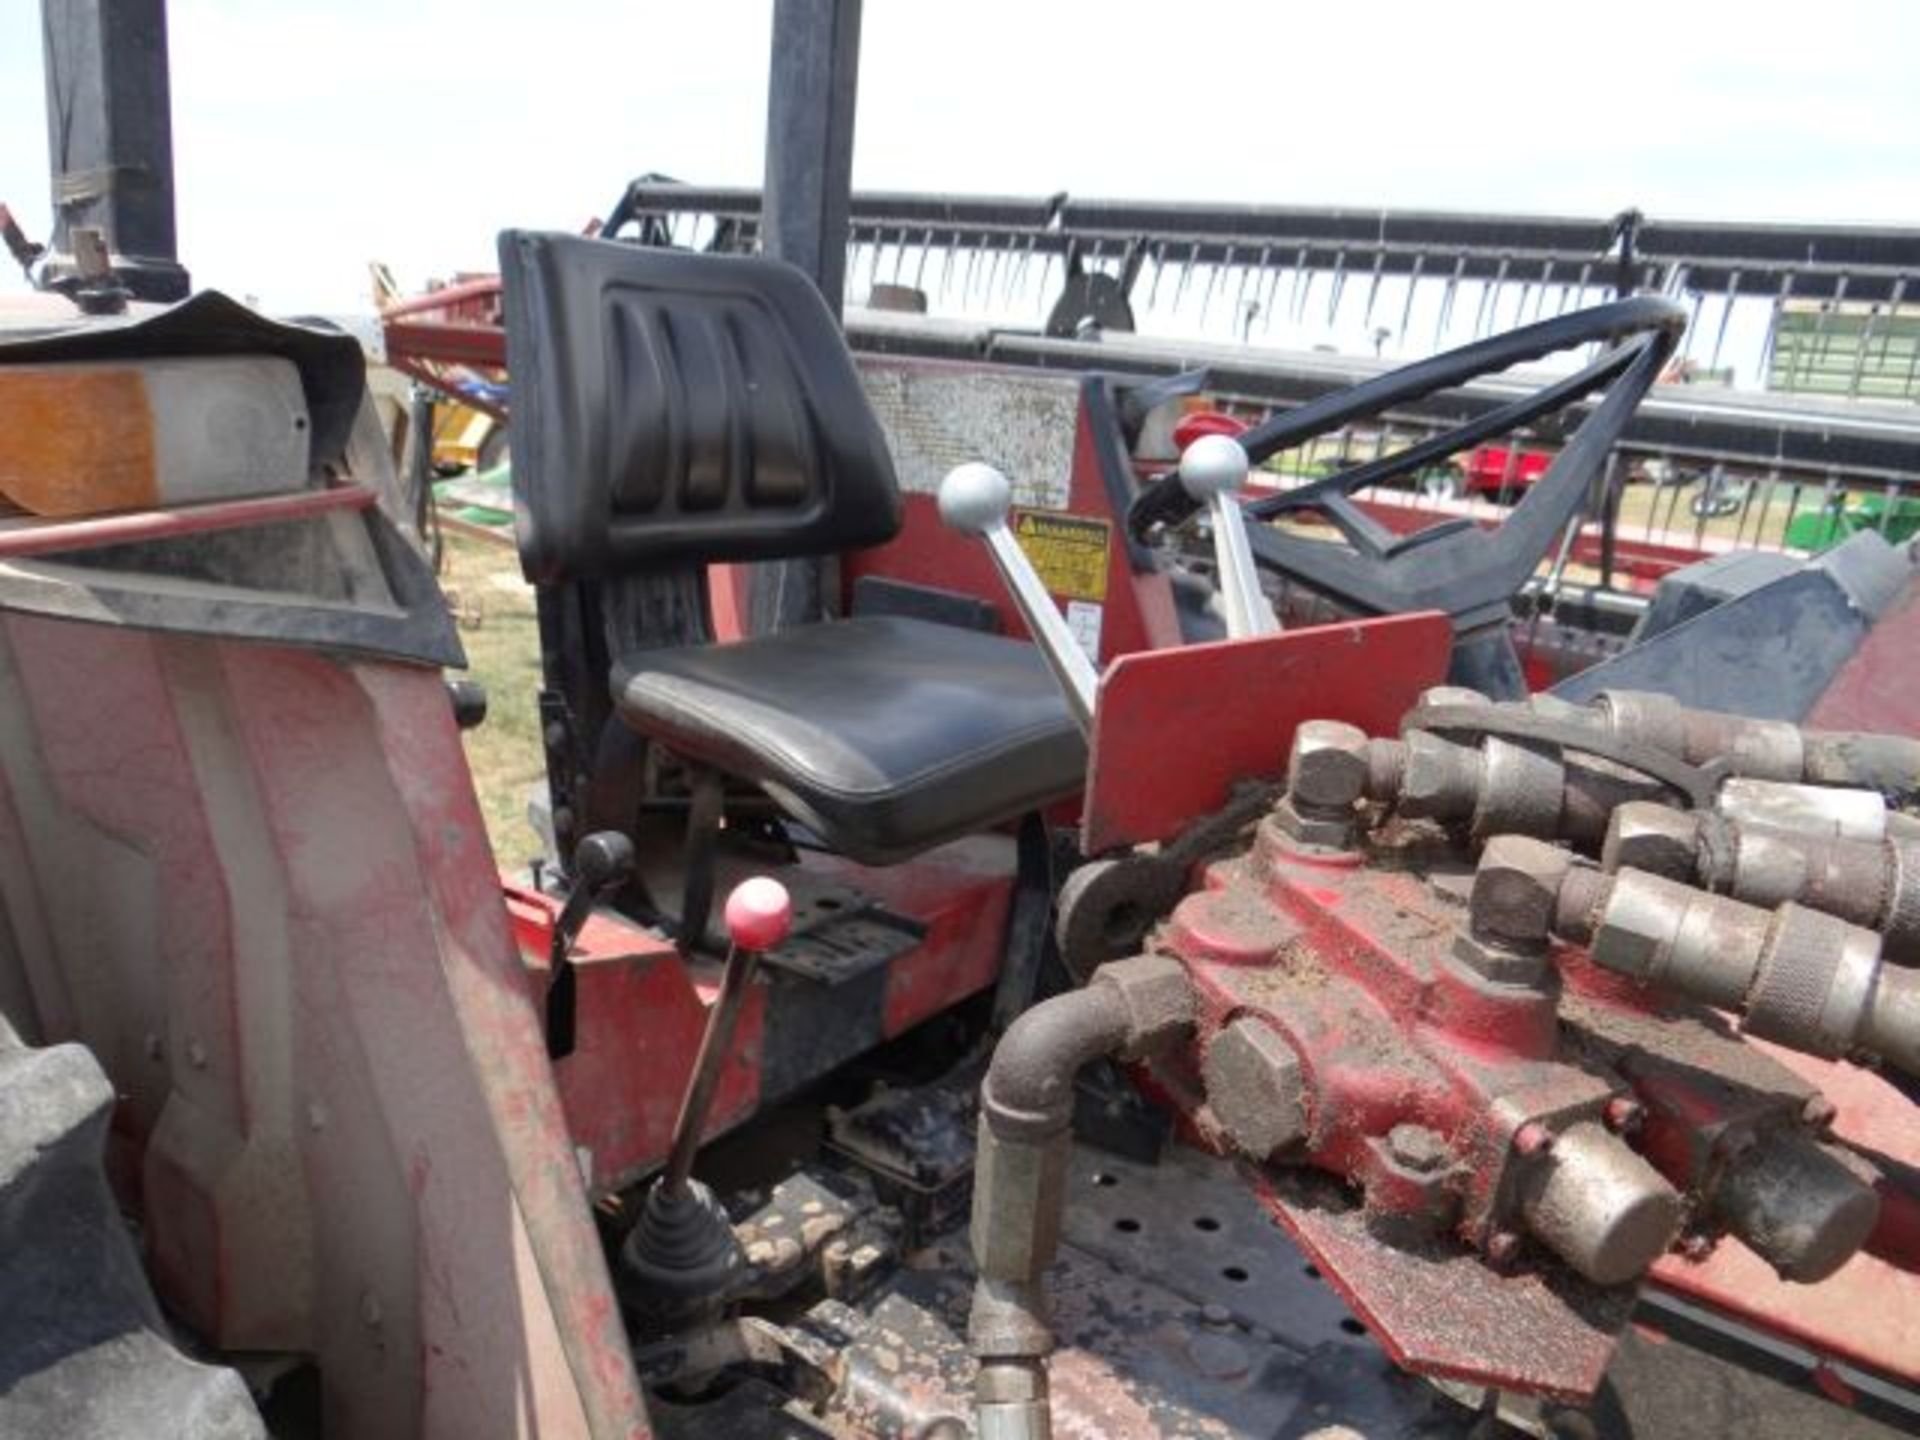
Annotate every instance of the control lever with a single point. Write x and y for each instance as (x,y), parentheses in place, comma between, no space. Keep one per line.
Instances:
(682,1254)
(974,500)
(1213,471)
(601,861)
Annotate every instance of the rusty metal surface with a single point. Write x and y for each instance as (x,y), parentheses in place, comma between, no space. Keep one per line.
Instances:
(1867,1316)
(1200,718)
(340,1129)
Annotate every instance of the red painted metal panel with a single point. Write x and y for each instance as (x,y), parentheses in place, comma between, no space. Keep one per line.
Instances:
(642,1009)
(1176,728)
(1879,686)
(641,1012)
(446,342)
(259,887)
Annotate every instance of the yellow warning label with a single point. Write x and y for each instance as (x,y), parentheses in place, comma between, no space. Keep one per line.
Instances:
(1068,551)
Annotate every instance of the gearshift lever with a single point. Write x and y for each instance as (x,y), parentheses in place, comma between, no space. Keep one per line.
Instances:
(974,499)
(1212,471)
(682,1255)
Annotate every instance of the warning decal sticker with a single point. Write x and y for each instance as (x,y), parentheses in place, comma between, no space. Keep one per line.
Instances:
(1068,551)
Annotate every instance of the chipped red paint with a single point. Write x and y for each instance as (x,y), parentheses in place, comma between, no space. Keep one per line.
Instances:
(257,884)
(642,1009)
(1176,728)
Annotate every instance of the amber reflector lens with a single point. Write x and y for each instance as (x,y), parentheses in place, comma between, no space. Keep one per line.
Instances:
(78,442)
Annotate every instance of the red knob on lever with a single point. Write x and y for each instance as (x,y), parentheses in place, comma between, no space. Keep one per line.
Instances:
(759,914)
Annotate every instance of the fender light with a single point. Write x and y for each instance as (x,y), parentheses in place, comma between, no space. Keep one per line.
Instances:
(88,438)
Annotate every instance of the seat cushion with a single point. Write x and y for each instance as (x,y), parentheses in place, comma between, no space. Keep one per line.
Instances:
(884,734)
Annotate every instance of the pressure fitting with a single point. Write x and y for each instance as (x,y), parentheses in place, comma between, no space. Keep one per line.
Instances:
(1875,884)
(1510,910)
(1327,775)
(1803,1207)
(1504,787)
(1762,749)
(1794,975)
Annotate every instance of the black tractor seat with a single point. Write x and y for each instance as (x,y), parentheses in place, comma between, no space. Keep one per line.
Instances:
(885,735)
(673,411)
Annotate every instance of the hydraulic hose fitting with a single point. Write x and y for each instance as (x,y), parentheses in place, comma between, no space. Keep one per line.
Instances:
(1794,975)
(1128,1008)
(1875,884)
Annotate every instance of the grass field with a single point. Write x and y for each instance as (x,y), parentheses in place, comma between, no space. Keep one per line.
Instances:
(494,608)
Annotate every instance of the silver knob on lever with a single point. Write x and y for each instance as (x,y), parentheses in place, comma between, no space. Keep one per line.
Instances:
(1212,471)
(974,499)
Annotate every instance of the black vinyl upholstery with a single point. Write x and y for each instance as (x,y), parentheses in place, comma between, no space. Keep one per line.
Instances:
(671,410)
(676,409)
(886,735)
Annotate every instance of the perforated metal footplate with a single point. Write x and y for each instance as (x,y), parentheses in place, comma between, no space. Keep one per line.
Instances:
(1188,1224)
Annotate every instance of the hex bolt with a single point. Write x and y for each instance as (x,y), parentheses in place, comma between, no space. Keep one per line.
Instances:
(1655,838)
(1256,1088)
(1516,888)
(1416,1148)
(1327,769)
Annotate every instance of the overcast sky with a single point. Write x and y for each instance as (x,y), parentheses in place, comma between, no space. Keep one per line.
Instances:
(315,135)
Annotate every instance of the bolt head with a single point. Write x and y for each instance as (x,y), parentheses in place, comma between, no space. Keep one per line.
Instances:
(1516,888)
(974,498)
(1256,1088)
(1322,832)
(1439,779)
(1499,963)
(1328,768)
(1158,996)
(1653,838)
(1416,1148)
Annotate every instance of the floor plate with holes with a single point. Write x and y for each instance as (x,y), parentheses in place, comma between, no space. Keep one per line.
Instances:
(1189,1225)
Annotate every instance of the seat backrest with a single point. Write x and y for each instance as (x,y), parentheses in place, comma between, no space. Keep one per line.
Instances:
(672,409)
